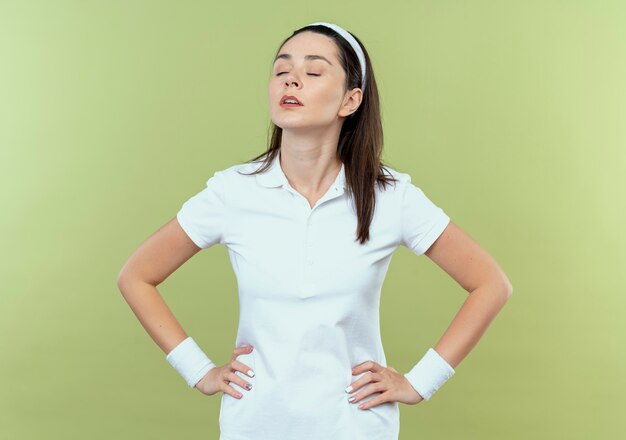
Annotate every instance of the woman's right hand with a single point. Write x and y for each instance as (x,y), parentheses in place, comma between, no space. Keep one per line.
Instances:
(217,378)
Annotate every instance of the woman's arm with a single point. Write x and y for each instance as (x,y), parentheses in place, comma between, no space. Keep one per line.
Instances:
(155,259)
(478,273)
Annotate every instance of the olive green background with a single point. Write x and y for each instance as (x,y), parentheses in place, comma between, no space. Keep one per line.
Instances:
(509,115)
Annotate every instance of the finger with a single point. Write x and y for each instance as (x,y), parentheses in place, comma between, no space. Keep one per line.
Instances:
(363,380)
(365,366)
(357,368)
(367,391)
(227,389)
(233,378)
(240,366)
(243,349)
(373,402)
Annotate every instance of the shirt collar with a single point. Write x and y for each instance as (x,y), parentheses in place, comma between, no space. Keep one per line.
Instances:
(274,176)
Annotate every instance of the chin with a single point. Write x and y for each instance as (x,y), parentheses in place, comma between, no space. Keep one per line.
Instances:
(290,123)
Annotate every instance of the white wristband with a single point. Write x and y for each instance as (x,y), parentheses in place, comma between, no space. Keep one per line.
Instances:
(190,361)
(429,374)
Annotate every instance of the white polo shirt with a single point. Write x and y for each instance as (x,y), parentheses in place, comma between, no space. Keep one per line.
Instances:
(309,297)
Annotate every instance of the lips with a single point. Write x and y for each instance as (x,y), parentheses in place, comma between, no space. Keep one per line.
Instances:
(285,97)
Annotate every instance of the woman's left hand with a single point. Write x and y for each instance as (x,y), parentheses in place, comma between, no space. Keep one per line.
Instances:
(393,386)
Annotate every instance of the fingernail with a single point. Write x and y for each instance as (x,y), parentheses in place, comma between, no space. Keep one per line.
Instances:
(250,373)
(361,406)
(249,386)
(349,388)
(351,399)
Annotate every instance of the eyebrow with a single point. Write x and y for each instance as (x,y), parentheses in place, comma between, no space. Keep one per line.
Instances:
(287,56)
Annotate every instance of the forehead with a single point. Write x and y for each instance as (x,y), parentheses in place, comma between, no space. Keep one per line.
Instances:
(307,43)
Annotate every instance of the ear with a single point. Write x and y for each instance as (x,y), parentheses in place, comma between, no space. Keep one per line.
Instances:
(351,102)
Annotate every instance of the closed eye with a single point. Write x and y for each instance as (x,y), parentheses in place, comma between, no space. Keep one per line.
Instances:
(312,74)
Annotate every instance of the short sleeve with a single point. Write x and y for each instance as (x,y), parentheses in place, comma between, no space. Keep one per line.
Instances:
(422,220)
(202,215)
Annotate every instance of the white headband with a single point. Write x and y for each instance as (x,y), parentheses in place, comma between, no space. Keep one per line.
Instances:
(350,39)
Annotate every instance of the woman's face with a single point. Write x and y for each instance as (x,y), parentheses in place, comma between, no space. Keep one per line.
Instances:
(316,81)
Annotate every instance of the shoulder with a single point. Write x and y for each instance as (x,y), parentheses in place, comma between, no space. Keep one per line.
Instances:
(237,173)
(401,179)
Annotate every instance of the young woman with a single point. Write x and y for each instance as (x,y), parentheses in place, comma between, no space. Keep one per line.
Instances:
(310,231)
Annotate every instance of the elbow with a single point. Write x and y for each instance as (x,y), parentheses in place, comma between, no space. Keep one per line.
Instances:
(128,281)
(123,279)
(121,282)
(499,285)
(502,286)
(509,292)
(507,287)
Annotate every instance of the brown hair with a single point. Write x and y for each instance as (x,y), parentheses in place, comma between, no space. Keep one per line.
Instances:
(360,140)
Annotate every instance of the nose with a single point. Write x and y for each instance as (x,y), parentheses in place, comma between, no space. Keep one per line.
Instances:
(291,80)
